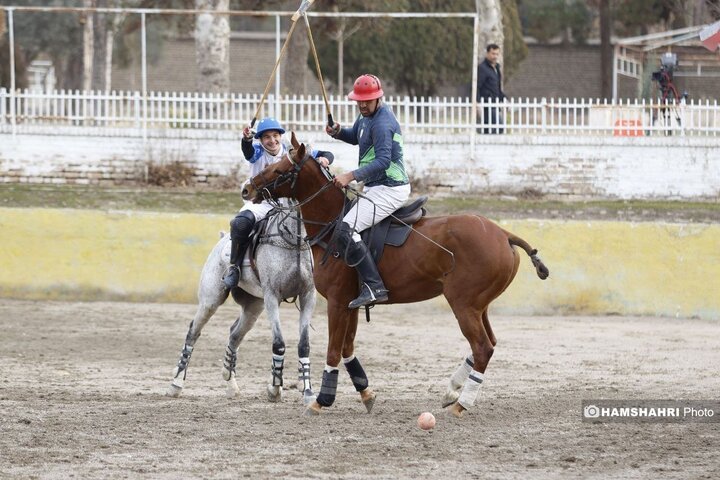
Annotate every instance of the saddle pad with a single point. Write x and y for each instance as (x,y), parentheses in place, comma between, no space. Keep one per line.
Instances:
(384,233)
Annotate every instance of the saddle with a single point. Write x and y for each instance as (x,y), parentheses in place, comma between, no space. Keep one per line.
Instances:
(395,229)
(260,235)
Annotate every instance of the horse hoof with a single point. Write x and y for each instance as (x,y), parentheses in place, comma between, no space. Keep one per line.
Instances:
(173,391)
(274,394)
(312,410)
(232,390)
(456,410)
(450,397)
(368,399)
(308,398)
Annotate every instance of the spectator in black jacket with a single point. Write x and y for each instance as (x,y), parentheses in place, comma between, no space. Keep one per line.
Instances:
(489,89)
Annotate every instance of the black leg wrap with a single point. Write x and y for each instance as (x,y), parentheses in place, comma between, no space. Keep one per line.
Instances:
(328,389)
(357,374)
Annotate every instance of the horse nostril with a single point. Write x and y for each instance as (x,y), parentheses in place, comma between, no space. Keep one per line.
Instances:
(245,193)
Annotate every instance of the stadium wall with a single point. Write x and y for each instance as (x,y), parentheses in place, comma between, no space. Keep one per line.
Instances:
(567,166)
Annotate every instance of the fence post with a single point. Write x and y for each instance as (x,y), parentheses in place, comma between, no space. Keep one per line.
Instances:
(543,115)
(136,98)
(683,117)
(3,112)
(406,101)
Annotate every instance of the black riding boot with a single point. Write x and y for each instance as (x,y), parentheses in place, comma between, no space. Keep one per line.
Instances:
(372,289)
(240,228)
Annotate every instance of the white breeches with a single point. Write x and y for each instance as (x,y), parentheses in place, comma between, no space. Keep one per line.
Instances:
(378,203)
(260,210)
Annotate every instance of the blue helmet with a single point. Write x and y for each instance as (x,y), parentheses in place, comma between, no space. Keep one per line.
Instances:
(268,123)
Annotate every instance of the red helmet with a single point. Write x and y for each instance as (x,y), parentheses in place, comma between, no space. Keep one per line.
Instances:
(366,87)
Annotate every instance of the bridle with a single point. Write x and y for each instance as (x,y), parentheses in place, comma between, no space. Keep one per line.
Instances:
(291,177)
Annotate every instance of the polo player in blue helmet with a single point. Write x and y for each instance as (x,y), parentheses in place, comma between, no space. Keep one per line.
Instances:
(268,149)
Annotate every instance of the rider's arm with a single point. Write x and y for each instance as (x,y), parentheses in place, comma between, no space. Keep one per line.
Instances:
(382,136)
(248,149)
(321,153)
(348,134)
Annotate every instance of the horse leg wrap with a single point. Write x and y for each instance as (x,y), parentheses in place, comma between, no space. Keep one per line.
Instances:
(230,360)
(356,372)
(461,374)
(184,360)
(304,373)
(329,386)
(277,368)
(470,389)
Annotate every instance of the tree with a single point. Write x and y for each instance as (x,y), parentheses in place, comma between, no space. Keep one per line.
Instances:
(57,35)
(340,41)
(606,50)
(514,48)
(568,20)
(491,24)
(212,46)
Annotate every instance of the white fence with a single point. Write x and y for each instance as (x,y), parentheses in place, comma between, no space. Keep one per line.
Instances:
(203,115)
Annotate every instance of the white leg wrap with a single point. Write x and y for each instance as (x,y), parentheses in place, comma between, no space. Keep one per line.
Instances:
(277,370)
(461,374)
(330,369)
(304,373)
(349,359)
(470,389)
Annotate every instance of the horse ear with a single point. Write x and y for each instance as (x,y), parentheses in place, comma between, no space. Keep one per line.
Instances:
(294,141)
(300,152)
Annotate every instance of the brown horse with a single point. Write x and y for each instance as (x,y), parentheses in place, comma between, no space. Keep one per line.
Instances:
(467,258)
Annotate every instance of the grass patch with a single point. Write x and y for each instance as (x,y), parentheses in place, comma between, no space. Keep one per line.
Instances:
(207,200)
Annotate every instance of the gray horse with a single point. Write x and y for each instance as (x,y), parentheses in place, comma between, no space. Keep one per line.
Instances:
(284,264)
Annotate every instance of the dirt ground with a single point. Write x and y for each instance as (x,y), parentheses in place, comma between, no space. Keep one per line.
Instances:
(82,396)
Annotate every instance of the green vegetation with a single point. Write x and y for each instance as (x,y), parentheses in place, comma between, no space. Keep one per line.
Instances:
(201,200)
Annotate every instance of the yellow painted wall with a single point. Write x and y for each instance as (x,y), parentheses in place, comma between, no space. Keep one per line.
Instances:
(618,267)
(86,254)
(596,267)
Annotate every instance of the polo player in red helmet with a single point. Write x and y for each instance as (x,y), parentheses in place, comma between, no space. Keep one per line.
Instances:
(382,171)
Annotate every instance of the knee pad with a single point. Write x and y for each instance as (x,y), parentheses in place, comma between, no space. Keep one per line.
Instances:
(344,236)
(242,224)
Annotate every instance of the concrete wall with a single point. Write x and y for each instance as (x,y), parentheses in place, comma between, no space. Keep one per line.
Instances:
(596,267)
(599,167)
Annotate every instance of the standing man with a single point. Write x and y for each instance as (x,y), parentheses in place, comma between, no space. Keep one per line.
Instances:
(386,185)
(489,89)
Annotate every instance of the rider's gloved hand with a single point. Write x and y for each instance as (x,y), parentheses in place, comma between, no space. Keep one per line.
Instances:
(247,134)
(333,131)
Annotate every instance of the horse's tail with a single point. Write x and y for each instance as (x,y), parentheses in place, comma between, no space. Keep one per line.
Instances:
(540,268)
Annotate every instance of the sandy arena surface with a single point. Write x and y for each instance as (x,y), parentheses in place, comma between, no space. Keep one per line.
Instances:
(82,396)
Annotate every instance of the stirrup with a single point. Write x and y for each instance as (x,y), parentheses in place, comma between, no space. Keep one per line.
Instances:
(368,297)
(232,277)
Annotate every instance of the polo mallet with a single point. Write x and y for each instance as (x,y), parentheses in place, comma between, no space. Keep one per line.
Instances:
(301,11)
(331,122)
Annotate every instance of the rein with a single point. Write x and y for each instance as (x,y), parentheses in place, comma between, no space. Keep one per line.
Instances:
(328,227)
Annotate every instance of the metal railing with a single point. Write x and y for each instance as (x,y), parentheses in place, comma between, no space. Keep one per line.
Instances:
(206,115)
